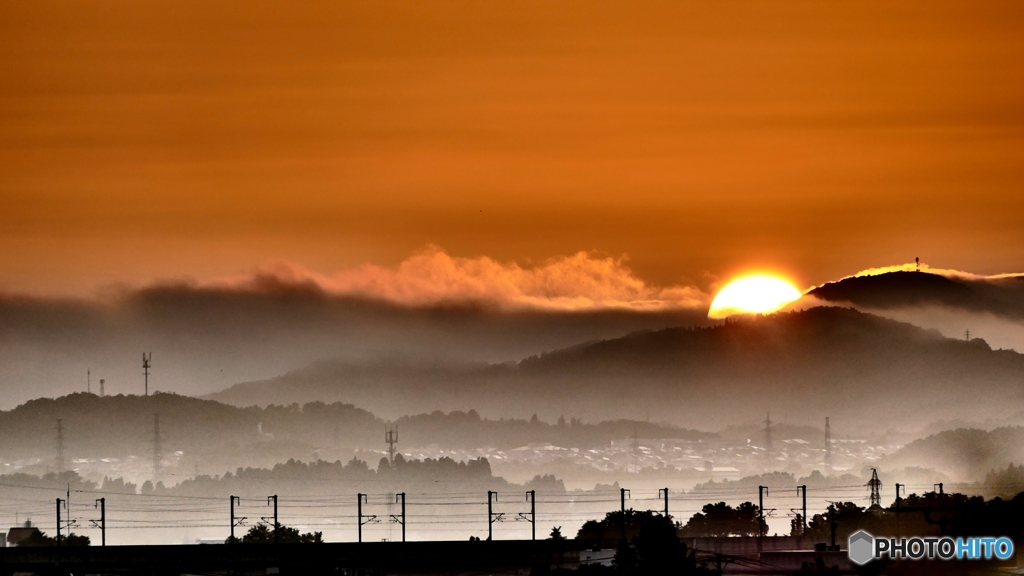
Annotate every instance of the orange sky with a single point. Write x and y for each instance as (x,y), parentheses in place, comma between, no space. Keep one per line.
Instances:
(147,140)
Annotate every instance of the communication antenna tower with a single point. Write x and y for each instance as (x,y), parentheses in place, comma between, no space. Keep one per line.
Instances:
(768,438)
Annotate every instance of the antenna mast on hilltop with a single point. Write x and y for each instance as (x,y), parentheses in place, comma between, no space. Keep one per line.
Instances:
(145,368)
(768,438)
(917,262)
(391,437)
(88,381)
(828,445)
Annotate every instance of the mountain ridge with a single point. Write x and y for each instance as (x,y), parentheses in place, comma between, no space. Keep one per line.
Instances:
(823,360)
(999,296)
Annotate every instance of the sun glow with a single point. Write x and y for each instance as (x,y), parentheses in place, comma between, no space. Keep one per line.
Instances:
(752,295)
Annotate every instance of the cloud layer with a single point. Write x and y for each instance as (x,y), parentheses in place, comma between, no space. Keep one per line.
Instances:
(431,277)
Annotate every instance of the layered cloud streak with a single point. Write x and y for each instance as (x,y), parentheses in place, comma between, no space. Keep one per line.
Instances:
(431,277)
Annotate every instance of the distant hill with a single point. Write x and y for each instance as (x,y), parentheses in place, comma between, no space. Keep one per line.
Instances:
(964,453)
(216,436)
(1004,297)
(220,437)
(861,369)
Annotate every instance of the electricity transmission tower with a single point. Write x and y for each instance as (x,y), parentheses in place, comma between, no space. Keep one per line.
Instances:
(391,438)
(828,445)
(60,446)
(157,449)
(876,488)
(146,357)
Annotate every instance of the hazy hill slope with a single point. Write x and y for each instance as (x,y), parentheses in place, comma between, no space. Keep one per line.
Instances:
(220,437)
(801,366)
(207,431)
(965,453)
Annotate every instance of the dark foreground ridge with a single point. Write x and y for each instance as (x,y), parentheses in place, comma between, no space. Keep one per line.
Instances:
(730,555)
(327,558)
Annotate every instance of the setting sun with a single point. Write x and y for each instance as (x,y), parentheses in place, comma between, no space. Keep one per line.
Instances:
(752,295)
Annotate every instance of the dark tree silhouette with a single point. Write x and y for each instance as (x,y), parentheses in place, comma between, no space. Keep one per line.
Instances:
(720,519)
(263,533)
(39,538)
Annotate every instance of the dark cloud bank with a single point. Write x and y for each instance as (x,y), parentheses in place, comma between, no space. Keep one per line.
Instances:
(293,343)
(204,339)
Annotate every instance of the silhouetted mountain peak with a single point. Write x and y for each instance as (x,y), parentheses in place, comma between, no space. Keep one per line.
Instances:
(894,289)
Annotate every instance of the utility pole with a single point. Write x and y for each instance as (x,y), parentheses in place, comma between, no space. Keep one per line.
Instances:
(276,525)
(102,504)
(622,509)
(665,490)
(531,496)
(146,357)
(360,498)
(492,516)
(58,520)
(898,487)
(60,446)
(828,445)
(762,491)
(833,525)
(401,519)
(233,522)
(157,452)
(359,513)
(391,438)
(803,489)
